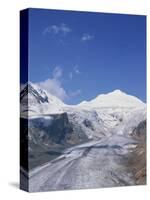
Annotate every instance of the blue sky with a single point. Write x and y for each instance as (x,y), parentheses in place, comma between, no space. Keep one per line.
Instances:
(78,55)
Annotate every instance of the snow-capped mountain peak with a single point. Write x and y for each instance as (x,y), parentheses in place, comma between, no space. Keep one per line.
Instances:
(117,92)
(35,100)
(115,112)
(117,98)
(39,95)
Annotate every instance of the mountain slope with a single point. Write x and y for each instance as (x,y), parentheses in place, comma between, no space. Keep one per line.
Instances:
(36,101)
(113,99)
(107,114)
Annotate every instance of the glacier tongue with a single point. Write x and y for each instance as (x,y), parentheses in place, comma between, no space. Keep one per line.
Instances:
(95,164)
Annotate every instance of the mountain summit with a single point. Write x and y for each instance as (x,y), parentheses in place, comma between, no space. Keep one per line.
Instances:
(35,100)
(117,98)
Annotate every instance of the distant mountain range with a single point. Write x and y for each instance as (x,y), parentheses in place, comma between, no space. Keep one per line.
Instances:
(41,102)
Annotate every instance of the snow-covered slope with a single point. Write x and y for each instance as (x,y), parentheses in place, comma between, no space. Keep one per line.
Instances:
(41,102)
(117,98)
(107,114)
(36,101)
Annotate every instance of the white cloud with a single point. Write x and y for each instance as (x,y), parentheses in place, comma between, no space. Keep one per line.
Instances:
(87,37)
(54,85)
(62,29)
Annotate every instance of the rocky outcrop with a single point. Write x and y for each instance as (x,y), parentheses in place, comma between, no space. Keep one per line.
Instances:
(47,136)
(137,159)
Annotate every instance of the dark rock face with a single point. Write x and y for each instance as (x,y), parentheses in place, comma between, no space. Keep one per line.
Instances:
(54,129)
(88,124)
(30,90)
(47,136)
(140,131)
(137,160)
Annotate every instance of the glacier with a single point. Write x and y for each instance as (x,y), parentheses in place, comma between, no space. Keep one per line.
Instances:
(95,143)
